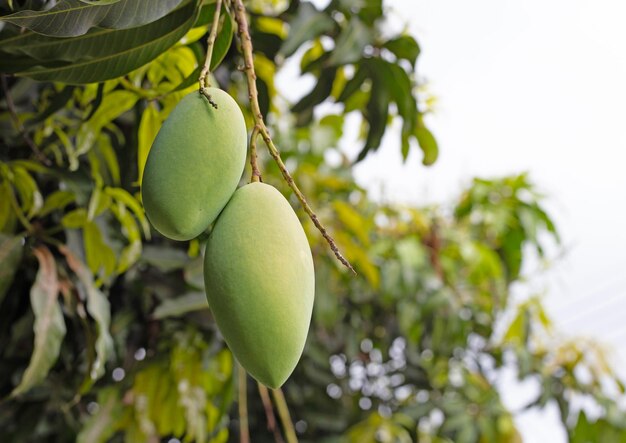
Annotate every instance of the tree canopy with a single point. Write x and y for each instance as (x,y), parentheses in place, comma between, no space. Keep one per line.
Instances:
(105,331)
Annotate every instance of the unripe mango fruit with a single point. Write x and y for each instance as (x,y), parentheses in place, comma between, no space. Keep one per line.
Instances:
(260,285)
(194,165)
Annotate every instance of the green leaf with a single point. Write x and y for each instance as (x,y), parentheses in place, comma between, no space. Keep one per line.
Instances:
(353,85)
(131,253)
(351,43)
(377,112)
(74,219)
(148,128)
(308,24)
(129,256)
(516,333)
(511,250)
(353,220)
(100,257)
(123,196)
(28,191)
(129,224)
(165,259)
(56,200)
(178,306)
(114,104)
(71,18)
(223,40)
(107,153)
(10,256)
(99,55)
(404,47)
(427,143)
(320,92)
(98,307)
(398,85)
(49,324)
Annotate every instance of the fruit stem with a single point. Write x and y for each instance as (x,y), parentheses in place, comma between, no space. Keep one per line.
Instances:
(269,413)
(246,49)
(256,173)
(206,68)
(283,412)
(244,432)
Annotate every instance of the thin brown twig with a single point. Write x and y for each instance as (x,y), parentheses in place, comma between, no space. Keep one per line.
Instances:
(19,127)
(246,48)
(206,68)
(285,418)
(256,173)
(269,413)
(244,431)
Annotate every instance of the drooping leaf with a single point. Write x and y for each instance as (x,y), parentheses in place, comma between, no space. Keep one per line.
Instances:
(351,43)
(308,24)
(312,55)
(124,197)
(377,112)
(98,307)
(427,143)
(49,324)
(114,105)
(404,47)
(56,201)
(399,87)
(148,128)
(106,151)
(320,92)
(223,40)
(100,257)
(129,256)
(165,259)
(10,257)
(95,104)
(28,191)
(71,18)
(178,306)
(99,55)
(354,84)
(74,219)
(192,78)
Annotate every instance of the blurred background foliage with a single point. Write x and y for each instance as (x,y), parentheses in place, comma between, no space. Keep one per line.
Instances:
(105,334)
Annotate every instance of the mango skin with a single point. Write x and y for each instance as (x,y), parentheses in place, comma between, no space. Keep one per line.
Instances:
(194,165)
(260,282)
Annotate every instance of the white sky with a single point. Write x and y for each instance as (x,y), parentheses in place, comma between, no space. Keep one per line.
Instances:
(536,86)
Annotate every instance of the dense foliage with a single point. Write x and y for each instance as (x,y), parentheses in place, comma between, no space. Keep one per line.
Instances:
(105,333)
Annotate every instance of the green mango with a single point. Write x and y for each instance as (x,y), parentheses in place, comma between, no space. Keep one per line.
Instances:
(259,279)
(194,165)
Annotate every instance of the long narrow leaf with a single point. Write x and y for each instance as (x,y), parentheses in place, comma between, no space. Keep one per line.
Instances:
(99,55)
(98,307)
(49,324)
(71,18)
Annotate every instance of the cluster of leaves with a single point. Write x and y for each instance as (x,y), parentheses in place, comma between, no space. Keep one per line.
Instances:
(423,338)
(354,64)
(116,341)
